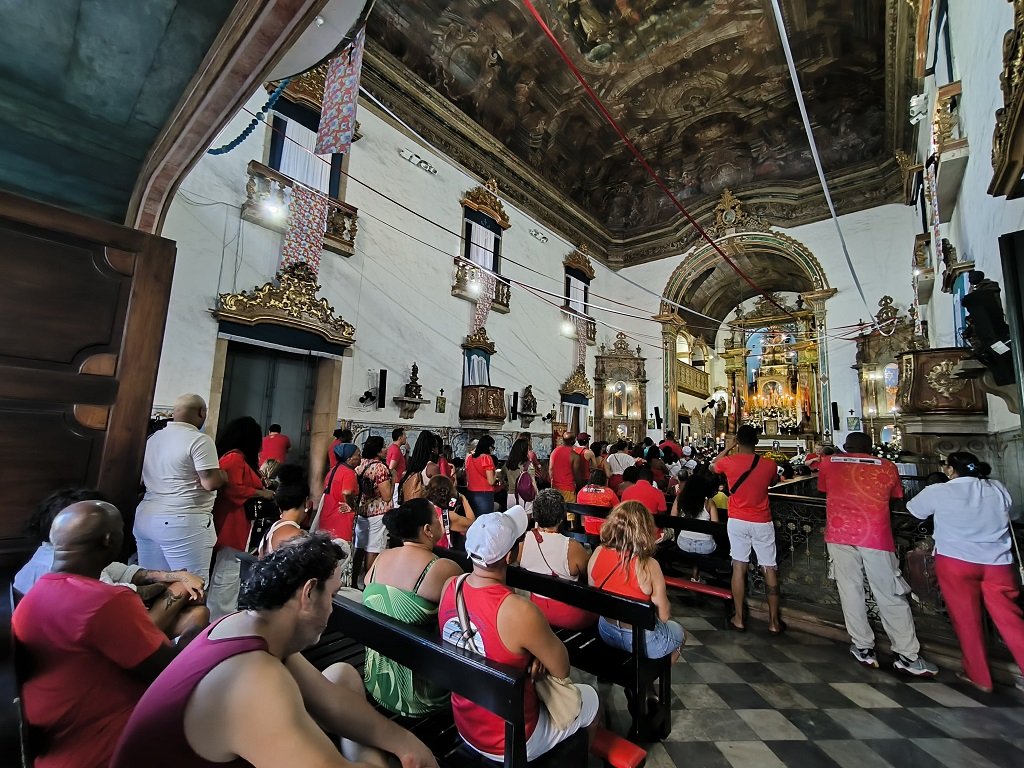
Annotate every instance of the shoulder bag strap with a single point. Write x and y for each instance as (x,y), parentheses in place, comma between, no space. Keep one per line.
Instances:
(460,604)
(618,562)
(539,537)
(745,475)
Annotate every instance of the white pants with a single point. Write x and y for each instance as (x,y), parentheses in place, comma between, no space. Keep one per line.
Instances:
(744,536)
(222,596)
(850,566)
(175,541)
(370,534)
(545,736)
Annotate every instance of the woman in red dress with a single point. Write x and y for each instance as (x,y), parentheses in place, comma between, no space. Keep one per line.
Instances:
(238,448)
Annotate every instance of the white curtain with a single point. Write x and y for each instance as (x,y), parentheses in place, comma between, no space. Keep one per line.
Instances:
(481,246)
(577,296)
(298,161)
(575,416)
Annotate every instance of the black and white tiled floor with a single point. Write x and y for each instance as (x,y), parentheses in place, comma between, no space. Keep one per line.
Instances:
(753,700)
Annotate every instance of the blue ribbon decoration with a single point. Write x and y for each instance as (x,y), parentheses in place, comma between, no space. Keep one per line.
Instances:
(222,150)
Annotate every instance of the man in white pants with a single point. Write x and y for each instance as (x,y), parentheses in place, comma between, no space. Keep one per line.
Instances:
(173,524)
(860,543)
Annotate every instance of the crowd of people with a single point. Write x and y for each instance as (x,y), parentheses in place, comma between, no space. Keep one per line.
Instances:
(124,656)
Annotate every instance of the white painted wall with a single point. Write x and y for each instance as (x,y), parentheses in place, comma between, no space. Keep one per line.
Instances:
(395,289)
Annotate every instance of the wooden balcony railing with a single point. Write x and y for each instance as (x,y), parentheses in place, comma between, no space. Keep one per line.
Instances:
(692,381)
(266,204)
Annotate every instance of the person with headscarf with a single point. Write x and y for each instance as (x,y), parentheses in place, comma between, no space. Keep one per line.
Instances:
(341,494)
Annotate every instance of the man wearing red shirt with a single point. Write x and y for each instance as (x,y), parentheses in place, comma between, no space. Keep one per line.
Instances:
(596,494)
(562,468)
(396,455)
(91,647)
(750,521)
(341,436)
(646,493)
(670,444)
(275,445)
(858,533)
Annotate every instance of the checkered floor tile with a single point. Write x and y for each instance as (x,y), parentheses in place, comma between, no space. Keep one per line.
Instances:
(753,700)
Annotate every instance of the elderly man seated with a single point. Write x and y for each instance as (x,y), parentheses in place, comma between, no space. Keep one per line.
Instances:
(90,647)
(243,694)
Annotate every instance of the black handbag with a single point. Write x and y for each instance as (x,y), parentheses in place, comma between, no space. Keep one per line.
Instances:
(257,508)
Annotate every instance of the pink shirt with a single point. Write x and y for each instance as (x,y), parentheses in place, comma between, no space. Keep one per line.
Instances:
(858,487)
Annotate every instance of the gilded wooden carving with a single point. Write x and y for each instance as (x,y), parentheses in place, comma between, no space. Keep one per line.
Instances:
(291,302)
(1008,134)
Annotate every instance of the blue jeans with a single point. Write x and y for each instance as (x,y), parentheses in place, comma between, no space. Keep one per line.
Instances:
(661,641)
(481,502)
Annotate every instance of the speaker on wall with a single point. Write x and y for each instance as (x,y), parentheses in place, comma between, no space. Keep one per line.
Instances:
(382,388)
(657,417)
(514,410)
(835,416)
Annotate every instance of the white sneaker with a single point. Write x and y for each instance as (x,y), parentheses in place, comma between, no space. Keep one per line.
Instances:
(918,667)
(865,656)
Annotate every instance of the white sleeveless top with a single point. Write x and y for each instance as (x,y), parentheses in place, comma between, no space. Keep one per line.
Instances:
(550,556)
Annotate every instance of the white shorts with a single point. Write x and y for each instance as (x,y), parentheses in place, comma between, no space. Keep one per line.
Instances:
(545,737)
(744,536)
(370,534)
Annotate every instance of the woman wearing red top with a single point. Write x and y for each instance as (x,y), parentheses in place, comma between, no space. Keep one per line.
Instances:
(624,564)
(480,477)
(238,448)
(596,494)
(341,491)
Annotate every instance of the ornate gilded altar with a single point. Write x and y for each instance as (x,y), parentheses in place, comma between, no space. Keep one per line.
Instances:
(620,394)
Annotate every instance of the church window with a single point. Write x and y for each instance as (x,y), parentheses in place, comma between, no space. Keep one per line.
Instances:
(577,290)
(292,145)
(482,240)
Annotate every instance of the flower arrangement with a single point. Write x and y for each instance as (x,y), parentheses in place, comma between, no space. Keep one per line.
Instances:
(890,451)
(777,456)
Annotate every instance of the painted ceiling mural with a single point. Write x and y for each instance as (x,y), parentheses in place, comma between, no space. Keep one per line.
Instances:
(701,87)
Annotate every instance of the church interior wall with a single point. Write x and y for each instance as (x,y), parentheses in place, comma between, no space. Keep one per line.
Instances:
(395,288)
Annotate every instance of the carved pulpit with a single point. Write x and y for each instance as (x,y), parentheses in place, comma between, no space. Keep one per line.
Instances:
(482,406)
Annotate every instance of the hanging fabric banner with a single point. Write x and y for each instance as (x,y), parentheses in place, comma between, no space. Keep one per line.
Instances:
(488,286)
(341,90)
(307,222)
(581,339)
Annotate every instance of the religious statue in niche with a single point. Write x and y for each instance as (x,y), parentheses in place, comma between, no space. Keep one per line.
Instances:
(620,402)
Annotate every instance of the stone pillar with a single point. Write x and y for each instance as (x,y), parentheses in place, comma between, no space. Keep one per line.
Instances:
(671,325)
(816,302)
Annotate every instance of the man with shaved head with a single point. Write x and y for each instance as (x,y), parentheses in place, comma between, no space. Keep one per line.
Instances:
(173,524)
(90,647)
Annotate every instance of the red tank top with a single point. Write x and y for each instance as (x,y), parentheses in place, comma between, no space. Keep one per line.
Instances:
(155,734)
(560,463)
(613,575)
(481,728)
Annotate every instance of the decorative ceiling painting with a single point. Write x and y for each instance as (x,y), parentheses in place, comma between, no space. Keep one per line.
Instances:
(701,87)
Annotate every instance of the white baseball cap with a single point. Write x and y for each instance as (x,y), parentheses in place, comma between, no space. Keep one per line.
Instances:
(691,464)
(687,450)
(493,535)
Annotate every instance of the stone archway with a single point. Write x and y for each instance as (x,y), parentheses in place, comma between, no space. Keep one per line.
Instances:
(704,289)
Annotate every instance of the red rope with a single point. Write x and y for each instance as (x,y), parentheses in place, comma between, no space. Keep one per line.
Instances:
(642,160)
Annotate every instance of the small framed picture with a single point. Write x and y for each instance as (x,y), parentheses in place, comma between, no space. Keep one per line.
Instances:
(650,423)
(590,420)
(853,423)
(439,404)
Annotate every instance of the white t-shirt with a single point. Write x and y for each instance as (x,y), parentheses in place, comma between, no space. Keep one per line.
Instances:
(619,461)
(971,519)
(41,562)
(174,457)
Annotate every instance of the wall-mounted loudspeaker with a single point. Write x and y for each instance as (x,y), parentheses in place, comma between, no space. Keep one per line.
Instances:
(514,410)
(657,417)
(382,388)
(835,416)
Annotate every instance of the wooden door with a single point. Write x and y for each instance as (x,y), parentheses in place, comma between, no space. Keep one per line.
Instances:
(82,309)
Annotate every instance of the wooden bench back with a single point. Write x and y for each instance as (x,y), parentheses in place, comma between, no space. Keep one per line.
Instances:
(497,688)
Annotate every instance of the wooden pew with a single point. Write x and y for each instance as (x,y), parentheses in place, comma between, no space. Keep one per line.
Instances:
(632,670)
(16,741)
(496,687)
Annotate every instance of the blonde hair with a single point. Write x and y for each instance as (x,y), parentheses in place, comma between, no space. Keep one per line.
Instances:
(629,530)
